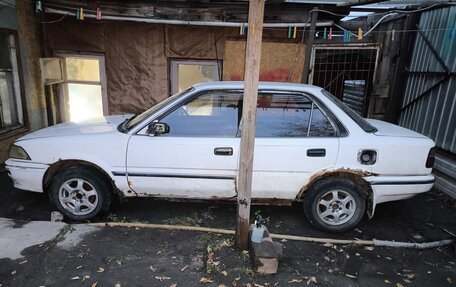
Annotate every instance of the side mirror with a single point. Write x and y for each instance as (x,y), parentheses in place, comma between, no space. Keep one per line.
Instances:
(157,129)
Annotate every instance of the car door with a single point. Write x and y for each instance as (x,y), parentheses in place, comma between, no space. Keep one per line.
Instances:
(196,157)
(294,140)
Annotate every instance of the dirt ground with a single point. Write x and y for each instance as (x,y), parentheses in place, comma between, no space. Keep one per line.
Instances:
(144,257)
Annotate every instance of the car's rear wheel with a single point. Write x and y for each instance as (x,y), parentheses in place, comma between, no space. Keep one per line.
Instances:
(334,204)
(81,193)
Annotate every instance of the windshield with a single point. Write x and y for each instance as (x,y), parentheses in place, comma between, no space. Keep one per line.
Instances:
(368,128)
(132,122)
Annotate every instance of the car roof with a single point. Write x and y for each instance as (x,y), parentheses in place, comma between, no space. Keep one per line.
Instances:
(239,85)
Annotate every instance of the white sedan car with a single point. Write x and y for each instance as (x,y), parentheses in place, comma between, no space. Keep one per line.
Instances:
(309,147)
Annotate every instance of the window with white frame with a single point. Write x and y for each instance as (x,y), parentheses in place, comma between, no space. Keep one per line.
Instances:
(185,73)
(82,85)
(11,115)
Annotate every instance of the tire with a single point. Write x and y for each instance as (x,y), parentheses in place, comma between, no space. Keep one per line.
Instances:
(81,193)
(334,204)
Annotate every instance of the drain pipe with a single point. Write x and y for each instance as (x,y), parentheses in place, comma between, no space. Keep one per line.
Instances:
(374,242)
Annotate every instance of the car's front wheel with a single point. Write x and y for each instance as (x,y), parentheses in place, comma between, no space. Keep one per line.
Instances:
(334,204)
(80,193)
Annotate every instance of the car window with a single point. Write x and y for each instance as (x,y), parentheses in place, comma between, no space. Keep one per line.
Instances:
(320,125)
(215,114)
(352,114)
(283,115)
(140,117)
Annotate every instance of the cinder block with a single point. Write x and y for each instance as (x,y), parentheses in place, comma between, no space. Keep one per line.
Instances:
(56,216)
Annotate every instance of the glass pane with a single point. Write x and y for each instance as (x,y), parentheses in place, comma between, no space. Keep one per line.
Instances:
(85,102)
(216,114)
(282,115)
(5,60)
(8,111)
(52,70)
(193,74)
(321,126)
(79,69)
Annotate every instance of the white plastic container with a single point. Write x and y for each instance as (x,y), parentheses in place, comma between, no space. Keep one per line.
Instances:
(257,234)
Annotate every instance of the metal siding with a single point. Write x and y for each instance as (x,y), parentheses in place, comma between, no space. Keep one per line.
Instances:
(434,115)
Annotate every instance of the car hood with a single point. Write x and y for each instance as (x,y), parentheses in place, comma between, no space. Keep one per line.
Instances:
(388,129)
(94,126)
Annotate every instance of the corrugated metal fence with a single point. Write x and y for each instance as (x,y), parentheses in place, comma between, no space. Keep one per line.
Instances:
(429,105)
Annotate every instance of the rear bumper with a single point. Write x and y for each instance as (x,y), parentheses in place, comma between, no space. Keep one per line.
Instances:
(26,175)
(391,188)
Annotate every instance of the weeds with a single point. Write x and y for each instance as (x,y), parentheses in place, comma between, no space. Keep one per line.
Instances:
(195,219)
(63,231)
(115,218)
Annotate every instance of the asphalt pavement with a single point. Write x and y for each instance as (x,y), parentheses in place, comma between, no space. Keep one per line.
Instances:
(67,254)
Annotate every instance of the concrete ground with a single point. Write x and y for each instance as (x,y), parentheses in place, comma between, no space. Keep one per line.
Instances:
(34,253)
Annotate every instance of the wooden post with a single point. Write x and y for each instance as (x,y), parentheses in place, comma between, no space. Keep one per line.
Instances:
(310,41)
(251,78)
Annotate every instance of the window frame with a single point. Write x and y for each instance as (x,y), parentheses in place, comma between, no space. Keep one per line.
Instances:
(174,70)
(18,82)
(63,86)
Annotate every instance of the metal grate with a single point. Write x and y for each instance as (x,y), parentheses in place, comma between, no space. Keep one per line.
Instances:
(346,72)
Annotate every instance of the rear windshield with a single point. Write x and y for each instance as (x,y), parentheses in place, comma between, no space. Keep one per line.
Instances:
(368,128)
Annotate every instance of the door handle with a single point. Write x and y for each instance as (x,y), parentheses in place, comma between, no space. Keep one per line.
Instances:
(316,152)
(227,151)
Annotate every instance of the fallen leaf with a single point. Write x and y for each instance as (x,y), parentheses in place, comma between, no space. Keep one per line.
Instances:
(347,256)
(79,267)
(449,280)
(158,252)
(162,278)
(283,240)
(100,270)
(234,283)
(407,281)
(369,248)
(399,285)
(205,280)
(76,278)
(152,268)
(410,276)
(387,281)
(174,285)
(23,262)
(85,277)
(351,276)
(327,258)
(118,285)
(95,284)
(257,285)
(13,272)
(224,273)
(312,280)
(184,268)
(295,281)
(327,244)
(357,230)
(222,285)
(357,254)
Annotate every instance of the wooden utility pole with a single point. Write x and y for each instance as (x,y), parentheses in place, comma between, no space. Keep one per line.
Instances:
(251,78)
(310,41)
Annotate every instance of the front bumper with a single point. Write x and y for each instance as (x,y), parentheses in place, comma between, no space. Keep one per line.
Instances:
(26,175)
(391,188)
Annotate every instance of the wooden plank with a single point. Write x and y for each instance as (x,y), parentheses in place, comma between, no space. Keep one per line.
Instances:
(252,74)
